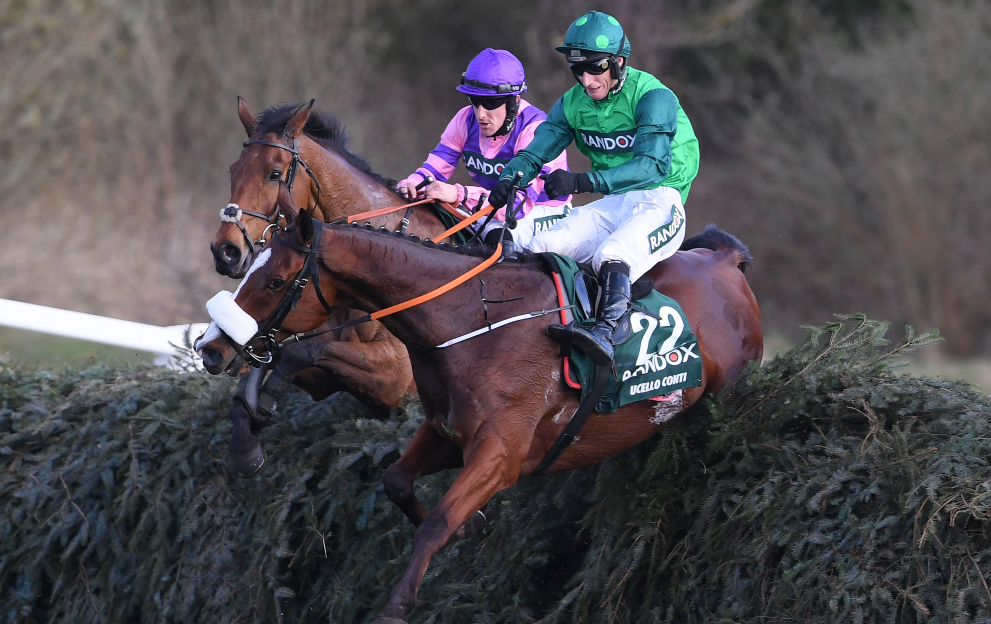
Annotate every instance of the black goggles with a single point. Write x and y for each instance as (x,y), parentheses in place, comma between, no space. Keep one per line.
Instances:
(590,67)
(488,103)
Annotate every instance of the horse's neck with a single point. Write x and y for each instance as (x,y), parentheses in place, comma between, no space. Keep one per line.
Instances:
(376,271)
(344,190)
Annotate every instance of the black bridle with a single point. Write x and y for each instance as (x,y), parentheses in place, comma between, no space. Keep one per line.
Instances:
(232,213)
(263,346)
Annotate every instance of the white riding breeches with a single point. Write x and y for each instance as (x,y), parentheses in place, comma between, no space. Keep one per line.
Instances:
(640,228)
(539,219)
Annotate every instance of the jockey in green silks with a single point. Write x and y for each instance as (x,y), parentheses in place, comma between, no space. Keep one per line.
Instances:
(644,157)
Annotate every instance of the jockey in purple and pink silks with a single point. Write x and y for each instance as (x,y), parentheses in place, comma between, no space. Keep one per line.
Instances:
(487,134)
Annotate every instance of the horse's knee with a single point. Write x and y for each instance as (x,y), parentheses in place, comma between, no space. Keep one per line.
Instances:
(398,484)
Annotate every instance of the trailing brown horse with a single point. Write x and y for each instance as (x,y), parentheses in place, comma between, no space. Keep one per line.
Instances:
(306,150)
(294,147)
(493,404)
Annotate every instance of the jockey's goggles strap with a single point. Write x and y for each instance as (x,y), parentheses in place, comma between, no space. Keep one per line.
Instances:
(503,89)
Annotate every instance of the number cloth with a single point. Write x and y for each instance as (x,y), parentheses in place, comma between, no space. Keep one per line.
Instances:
(660,356)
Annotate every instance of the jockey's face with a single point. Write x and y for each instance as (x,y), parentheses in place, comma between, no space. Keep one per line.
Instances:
(489,121)
(597,86)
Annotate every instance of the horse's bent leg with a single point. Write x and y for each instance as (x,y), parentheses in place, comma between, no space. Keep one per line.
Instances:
(426,454)
(244,452)
(376,372)
(488,469)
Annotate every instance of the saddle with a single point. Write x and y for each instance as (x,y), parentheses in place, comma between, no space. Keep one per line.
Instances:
(660,357)
(587,288)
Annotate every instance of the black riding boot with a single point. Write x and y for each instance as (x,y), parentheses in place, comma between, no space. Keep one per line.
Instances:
(612,325)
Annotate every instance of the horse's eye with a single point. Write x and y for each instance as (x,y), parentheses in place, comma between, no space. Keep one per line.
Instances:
(275,176)
(276,284)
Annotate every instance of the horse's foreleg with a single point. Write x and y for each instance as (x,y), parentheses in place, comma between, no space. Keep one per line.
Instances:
(489,468)
(377,372)
(244,452)
(426,454)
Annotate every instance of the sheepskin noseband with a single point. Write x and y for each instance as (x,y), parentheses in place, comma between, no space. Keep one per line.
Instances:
(229,317)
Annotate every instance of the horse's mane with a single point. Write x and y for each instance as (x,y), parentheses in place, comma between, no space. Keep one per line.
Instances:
(323,128)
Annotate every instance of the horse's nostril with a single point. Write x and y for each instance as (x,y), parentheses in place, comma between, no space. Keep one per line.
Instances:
(230,253)
(211,357)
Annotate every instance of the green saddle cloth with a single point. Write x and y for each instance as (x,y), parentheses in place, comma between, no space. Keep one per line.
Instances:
(660,356)
(458,238)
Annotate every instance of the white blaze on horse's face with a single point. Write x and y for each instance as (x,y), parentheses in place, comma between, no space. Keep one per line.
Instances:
(212,333)
(259,262)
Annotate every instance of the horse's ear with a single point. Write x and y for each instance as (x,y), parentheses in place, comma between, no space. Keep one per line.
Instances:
(295,125)
(247,118)
(286,202)
(304,223)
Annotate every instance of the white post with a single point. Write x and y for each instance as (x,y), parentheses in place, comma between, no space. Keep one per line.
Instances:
(161,341)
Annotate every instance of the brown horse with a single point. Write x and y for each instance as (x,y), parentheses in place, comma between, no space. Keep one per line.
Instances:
(493,404)
(296,147)
(305,149)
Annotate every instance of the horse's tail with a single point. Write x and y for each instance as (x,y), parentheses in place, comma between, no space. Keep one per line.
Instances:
(717,240)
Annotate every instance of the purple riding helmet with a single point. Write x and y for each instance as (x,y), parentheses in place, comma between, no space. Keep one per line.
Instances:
(493,74)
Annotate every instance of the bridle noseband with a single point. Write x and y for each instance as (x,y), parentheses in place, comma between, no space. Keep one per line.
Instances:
(232,213)
(268,345)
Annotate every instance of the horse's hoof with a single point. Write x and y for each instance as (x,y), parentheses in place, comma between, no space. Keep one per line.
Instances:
(246,464)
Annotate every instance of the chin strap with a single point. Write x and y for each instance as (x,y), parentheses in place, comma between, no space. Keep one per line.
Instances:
(512,110)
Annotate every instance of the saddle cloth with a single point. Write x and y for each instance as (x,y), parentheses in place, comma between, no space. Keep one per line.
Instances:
(660,356)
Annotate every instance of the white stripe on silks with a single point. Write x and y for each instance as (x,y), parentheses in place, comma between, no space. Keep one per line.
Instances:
(212,333)
(235,218)
(229,316)
(259,262)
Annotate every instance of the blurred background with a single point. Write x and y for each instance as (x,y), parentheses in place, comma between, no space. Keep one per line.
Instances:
(844,141)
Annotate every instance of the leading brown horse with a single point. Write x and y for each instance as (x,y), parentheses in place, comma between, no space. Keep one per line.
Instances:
(494,404)
(295,147)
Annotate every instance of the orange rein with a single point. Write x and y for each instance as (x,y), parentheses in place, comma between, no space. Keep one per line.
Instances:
(460,216)
(399,307)
(466,222)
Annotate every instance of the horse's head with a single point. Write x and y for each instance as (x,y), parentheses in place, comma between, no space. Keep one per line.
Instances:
(269,159)
(271,303)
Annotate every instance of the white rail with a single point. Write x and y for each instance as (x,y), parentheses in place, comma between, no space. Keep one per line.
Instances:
(161,341)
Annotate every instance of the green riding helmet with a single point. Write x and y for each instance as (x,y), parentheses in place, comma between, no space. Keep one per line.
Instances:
(594,32)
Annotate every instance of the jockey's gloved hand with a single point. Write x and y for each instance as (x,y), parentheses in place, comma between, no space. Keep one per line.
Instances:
(560,182)
(500,193)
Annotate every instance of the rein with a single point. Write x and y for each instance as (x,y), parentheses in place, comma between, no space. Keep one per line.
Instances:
(268,328)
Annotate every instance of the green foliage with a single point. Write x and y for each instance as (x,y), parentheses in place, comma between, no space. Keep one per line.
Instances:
(822,488)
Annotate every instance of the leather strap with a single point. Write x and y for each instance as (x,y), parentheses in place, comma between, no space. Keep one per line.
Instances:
(574,426)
